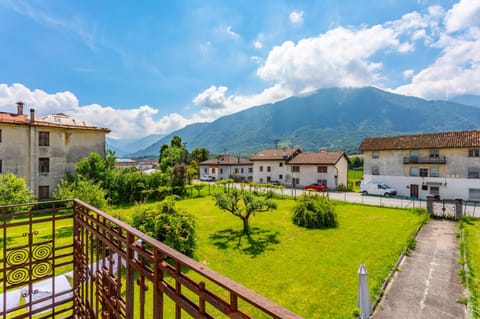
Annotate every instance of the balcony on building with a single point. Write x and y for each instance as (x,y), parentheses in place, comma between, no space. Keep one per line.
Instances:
(67,259)
(424,160)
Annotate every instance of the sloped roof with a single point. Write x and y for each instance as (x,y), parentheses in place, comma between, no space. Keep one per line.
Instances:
(323,157)
(227,160)
(55,120)
(275,154)
(459,139)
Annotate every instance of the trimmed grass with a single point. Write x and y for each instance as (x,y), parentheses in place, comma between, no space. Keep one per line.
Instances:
(354,177)
(311,272)
(472,242)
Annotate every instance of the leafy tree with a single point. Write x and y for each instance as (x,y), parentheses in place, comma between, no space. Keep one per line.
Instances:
(14,190)
(243,204)
(84,189)
(356,162)
(97,168)
(179,179)
(314,212)
(173,227)
(200,154)
(172,154)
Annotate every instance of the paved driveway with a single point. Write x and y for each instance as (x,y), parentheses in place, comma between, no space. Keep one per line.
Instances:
(427,285)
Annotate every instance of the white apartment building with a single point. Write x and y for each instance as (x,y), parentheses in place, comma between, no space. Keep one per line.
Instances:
(271,165)
(228,166)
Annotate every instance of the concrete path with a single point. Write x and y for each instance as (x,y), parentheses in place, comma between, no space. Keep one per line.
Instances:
(427,285)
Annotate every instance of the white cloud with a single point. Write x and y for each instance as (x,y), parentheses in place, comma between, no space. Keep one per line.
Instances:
(227,31)
(258,44)
(212,98)
(408,73)
(296,17)
(463,14)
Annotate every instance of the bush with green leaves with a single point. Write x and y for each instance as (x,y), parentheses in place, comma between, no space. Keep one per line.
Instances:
(166,223)
(314,211)
(84,189)
(14,190)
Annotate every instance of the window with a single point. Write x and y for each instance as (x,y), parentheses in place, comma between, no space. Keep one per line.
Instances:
(474,172)
(1,166)
(474,193)
(250,169)
(434,172)
(269,179)
(424,172)
(44,165)
(205,170)
(261,168)
(413,171)
(375,170)
(375,154)
(213,170)
(236,171)
(434,153)
(280,164)
(424,187)
(43,139)
(269,169)
(434,190)
(221,170)
(241,170)
(280,176)
(43,192)
(322,181)
(414,154)
(295,181)
(474,153)
(295,168)
(321,169)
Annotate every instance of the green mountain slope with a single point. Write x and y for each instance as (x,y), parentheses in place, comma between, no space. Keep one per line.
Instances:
(334,119)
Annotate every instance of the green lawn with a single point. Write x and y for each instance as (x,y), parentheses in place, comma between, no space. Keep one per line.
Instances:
(354,177)
(311,272)
(472,242)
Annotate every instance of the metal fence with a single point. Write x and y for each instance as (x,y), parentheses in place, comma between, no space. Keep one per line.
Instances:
(116,271)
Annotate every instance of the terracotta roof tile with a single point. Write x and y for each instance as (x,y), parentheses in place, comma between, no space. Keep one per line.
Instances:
(323,157)
(227,160)
(457,139)
(275,154)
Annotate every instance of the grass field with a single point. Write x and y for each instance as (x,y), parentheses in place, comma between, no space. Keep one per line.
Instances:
(472,242)
(354,177)
(311,272)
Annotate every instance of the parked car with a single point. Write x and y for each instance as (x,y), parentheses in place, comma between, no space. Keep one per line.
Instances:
(374,188)
(207,178)
(317,187)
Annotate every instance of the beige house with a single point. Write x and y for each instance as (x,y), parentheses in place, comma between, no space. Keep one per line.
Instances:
(227,166)
(43,149)
(328,168)
(292,167)
(439,164)
(271,165)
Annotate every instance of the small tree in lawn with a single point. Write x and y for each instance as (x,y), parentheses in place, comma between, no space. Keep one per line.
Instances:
(243,204)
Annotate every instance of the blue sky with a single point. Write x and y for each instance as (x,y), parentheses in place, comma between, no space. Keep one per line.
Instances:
(151,67)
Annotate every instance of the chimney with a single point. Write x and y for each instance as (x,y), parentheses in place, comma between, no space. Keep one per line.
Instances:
(20,105)
(32,115)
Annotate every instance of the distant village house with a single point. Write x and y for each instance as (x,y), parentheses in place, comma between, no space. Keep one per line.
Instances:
(227,166)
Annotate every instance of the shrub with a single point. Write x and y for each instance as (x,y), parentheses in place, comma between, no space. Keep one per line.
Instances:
(84,189)
(173,227)
(13,190)
(314,212)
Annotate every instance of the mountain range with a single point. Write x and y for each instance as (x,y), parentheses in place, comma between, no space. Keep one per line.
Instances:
(331,119)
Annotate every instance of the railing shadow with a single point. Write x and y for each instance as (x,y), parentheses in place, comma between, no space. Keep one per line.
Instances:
(253,244)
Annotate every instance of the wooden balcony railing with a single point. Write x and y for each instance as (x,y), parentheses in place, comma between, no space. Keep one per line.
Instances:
(67,259)
(424,160)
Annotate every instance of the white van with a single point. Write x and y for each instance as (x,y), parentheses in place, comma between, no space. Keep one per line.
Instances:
(375,188)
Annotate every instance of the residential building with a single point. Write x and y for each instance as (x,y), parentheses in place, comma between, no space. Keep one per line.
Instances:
(328,168)
(445,165)
(43,149)
(228,166)
(271,165)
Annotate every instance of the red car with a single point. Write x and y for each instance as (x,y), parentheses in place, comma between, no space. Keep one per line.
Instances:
(317,187)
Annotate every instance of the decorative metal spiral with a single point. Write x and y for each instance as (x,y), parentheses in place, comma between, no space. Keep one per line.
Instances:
(17,276)
(41,270)
(41,251)
(17,257)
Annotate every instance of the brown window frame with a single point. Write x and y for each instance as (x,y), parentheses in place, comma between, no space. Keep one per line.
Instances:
(43,192)
(43,138)
(296,168)
(322,169)
(44,165)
